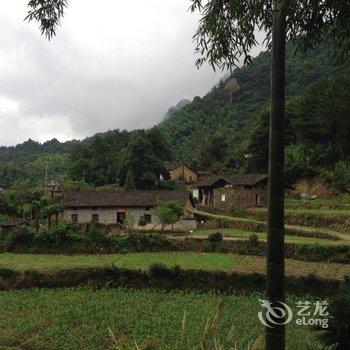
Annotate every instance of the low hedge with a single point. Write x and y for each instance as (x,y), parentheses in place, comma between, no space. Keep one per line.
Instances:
(159,276)
(142,242)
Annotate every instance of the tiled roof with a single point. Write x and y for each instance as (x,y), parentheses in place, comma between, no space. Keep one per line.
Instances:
(236,180)
(93,198)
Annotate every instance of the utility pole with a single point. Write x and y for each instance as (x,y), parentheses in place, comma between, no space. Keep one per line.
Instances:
(275,332)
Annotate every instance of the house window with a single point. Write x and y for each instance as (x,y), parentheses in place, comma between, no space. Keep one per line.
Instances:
(223,198)
(195,193)
(74,218)
(121,217)
(148,218)
(95,217)
(190,178)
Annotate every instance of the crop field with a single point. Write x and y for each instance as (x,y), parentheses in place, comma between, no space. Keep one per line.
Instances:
(82,318)
(193,260)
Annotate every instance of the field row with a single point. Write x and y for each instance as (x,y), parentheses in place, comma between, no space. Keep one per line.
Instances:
(244,234)
(187,260)
(82,318)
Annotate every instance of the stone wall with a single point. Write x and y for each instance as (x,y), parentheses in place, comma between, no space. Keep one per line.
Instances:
(108,216)
(227,197)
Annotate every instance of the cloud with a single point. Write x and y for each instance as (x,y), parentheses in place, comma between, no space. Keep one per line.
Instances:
(112,65)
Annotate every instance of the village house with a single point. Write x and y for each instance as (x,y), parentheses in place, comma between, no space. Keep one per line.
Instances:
(181,172)
(111,208)
(223,192)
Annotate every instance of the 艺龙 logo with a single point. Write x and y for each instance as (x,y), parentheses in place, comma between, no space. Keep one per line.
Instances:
(277,314)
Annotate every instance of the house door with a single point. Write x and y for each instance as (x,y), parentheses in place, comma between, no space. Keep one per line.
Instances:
(121,217)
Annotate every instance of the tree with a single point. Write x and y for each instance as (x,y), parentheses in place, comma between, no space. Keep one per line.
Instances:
(129,184)
(168,213)
(142,160)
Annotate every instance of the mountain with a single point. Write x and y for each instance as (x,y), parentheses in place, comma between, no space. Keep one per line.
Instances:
(221,133)
(226,130)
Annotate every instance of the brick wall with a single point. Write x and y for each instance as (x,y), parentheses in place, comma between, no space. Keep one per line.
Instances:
(227,197)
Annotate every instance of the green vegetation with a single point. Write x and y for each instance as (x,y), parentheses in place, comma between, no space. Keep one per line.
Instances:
(211,132)
(73,318)
(129,184)
(319,212)
(242,234)
(168,213)
(339,327)
(133,260)
(341,202)
(186,260)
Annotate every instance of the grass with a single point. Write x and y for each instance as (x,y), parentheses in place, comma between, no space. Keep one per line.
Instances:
(228,217)
(186,260)
(317,212)
(82,318)
(234,233)
(341,202)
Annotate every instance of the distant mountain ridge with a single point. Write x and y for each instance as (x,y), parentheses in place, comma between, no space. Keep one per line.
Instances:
(228,133)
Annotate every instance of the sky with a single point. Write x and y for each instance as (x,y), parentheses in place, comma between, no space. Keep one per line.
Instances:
(113,64)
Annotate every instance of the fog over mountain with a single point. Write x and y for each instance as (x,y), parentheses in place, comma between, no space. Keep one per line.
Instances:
(112,65)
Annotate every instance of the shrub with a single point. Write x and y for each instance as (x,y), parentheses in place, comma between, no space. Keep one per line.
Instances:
(63,233)
(336,336)
(142,221)
(95,233)
(142,242)
(6,272)
(253,239)
(159,270)
(24,234)
(339,177)
(215,241)
(238,210)
(215,237)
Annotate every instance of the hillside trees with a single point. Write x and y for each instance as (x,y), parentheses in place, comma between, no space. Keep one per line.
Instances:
(317,129)
(145,157)
(129,184)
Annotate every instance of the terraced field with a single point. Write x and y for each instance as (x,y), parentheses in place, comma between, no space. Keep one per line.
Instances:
(186,260)
(82,318)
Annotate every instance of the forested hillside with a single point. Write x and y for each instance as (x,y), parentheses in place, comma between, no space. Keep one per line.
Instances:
(222,132)
(212,132)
